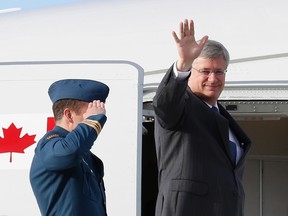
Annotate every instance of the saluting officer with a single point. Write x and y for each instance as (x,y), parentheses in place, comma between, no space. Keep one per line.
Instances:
(66,177)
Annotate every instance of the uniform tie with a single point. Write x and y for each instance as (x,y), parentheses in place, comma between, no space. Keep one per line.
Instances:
(232,145)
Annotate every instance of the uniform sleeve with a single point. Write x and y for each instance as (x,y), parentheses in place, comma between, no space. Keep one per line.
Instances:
(65,152)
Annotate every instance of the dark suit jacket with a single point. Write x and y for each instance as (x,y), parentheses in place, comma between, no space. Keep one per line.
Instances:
(196,173)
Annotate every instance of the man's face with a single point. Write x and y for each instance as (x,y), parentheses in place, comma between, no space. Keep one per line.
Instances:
(208,86)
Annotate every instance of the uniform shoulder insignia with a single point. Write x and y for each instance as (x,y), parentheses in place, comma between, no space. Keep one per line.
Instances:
(52,136)
(94,124)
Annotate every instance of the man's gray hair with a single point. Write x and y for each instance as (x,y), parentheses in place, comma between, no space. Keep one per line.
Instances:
(214,49)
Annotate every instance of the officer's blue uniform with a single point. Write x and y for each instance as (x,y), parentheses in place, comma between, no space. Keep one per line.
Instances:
(66,177)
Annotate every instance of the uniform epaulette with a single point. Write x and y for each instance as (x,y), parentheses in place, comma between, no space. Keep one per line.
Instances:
(47,138)
(52,136)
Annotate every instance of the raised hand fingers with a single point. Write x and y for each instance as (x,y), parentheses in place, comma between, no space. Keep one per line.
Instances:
(98,105)
(186,29)
(203,41)
(188,48)
(94,108)
(177,40)
(191,28)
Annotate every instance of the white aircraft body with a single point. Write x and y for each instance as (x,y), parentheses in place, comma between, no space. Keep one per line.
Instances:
(128,45)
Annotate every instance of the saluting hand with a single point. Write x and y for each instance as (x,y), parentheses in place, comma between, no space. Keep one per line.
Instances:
(94,108)
(188,48)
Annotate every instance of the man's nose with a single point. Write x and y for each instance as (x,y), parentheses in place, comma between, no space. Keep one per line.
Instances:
(212,76)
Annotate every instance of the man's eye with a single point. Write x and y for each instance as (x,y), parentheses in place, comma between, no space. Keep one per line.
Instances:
(205,72)
(219,72)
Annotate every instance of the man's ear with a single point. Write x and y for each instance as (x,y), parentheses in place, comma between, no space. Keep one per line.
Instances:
(68,114)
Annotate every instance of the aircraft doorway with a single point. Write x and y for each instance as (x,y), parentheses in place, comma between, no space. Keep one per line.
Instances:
(265,183)
(266,174)
(149,170)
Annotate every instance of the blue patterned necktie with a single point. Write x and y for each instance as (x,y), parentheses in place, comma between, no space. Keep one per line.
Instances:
(215,109)
(233,150)
(232,145)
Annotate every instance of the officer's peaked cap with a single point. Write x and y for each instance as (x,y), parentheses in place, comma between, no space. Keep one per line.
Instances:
(80,89)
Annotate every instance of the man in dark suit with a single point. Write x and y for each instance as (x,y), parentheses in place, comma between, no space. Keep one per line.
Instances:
(200,148)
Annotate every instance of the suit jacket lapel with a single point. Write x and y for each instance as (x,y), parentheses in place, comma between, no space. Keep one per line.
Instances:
(223,127)
(244,141)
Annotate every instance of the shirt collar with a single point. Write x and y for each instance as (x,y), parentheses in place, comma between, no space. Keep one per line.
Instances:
(215,105)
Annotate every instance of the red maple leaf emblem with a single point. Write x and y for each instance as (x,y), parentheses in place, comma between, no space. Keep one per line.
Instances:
(12,141)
